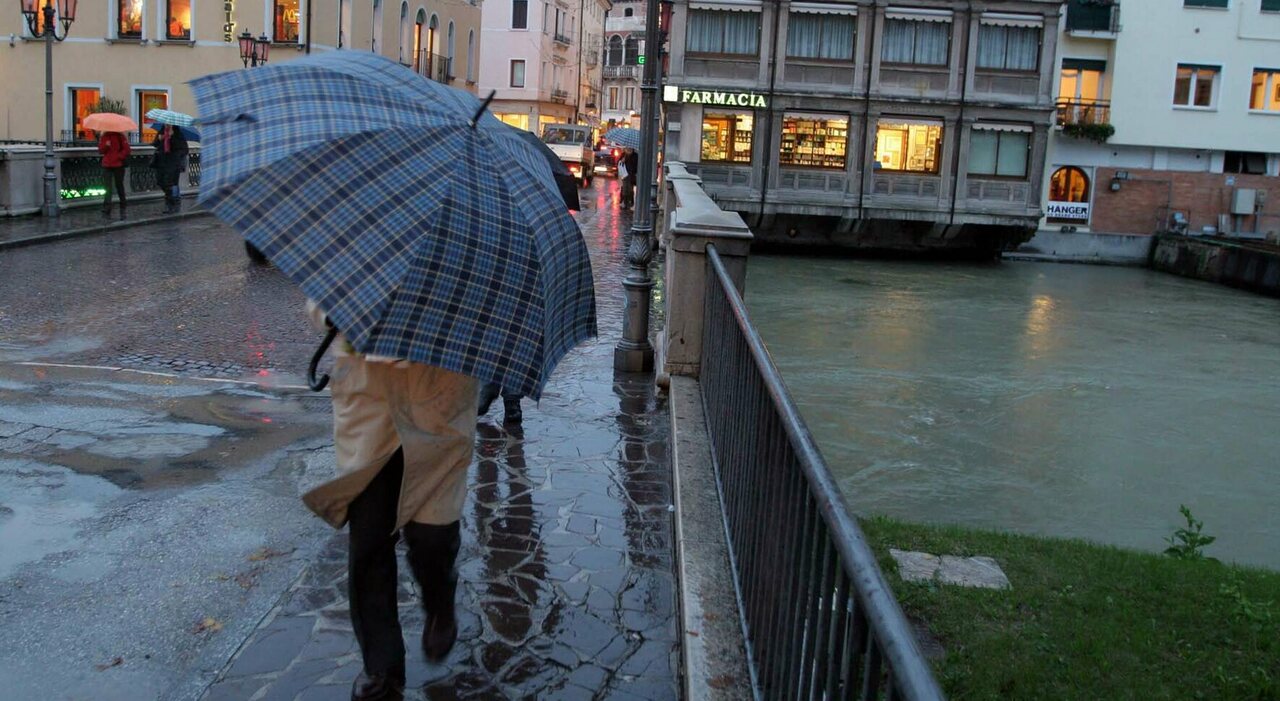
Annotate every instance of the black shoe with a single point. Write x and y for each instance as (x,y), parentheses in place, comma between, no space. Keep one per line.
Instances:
(123,215)
(377,687)
(488,393)
(511,413)
(433,550)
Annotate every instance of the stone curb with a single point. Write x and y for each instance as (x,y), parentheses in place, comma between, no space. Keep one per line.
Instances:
(98,229)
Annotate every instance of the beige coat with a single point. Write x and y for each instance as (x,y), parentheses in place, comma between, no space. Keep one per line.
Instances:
(379,406)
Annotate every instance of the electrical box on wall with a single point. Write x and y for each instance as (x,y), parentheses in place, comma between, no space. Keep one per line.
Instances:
(1243,200)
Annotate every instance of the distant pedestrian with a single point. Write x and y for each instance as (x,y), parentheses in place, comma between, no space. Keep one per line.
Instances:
(170,156)
(511,412)
(114,148)
(631,163)
(403,436)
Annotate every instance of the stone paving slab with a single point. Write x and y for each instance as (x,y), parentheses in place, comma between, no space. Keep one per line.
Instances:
(567,585)
(81,221)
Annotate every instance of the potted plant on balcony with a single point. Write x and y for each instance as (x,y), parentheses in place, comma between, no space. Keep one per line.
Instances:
(1097,132)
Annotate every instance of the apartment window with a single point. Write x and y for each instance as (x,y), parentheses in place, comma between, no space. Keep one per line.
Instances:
(723,32)
(404,31)
(630,102)
(148,100)
(631,52)
(916,42)
(1009,48)
(909,146)
(178,24)
(546,18)
(1205,3)
(727,136)
(286,21)
(1194,85)
(519,14)
(129,19)
(628,12)
(517,73)
(471,56)
(1271,5)
(1265,93)
(823,36)
(613,98)
(999,150)
(83,100)
(519,121)
(1082,80)
(375,40)
(614,55)
(814,140)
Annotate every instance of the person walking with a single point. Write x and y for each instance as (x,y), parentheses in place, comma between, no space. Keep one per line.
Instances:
(631,161)
(171,153)
(511,412)
(114,148)
(404,434)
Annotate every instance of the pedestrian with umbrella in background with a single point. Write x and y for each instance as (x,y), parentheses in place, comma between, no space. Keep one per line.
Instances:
(171,151)
(434,243)
(629,165)
(114,147)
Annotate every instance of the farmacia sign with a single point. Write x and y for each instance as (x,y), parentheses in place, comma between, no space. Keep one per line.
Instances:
(718,98)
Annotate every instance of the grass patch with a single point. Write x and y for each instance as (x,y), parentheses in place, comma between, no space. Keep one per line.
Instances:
(1088,621)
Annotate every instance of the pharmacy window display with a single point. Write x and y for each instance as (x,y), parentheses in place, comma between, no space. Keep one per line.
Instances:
(726,137)
(814,140)
(909,146)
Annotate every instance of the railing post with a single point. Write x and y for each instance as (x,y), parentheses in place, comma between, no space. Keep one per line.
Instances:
(691,220)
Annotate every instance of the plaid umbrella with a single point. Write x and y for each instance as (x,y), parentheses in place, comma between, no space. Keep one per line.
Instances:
(188,133)
(177,119)
(425,228)
(623,136)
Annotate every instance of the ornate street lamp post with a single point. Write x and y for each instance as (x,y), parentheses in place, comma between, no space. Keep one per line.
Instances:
(254,51)
(42,24)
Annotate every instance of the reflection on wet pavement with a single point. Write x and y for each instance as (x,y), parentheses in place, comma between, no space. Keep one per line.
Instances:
(566,570)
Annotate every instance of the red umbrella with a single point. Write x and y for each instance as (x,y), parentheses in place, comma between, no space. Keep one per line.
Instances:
(106,121)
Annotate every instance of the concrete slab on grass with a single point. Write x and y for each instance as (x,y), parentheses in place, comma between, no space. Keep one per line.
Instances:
(982,572)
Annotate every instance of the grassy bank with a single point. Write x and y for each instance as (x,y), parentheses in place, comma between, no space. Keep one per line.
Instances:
(1085,621)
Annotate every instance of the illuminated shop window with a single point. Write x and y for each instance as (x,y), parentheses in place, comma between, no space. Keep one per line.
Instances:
(814,140)
(909,146)
(726,137)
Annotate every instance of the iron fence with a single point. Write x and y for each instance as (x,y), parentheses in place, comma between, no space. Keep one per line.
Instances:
(434,66)
(1093,16)
(1083,112)
(820,620)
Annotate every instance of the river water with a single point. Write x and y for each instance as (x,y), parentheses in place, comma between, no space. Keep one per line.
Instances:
(1048,399)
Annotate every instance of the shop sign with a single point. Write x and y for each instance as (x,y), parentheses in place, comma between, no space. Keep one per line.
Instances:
(718,98)
(1069,210)
(229,23)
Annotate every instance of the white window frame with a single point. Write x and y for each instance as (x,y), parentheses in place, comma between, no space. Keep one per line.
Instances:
(135,98)
(471,55)
(162,22)
(1270,87)
(269,21)
(1191,93)
(524,73)
(113,23)
(68,107)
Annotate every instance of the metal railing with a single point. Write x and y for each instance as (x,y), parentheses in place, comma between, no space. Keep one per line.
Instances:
(559,95)
(562,39)
(1084,112)
(820,620)
(632,72)
(434,66)
(1093,16)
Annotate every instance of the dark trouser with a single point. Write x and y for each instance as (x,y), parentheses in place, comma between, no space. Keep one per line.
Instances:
(114,179)
(629,191)
(167,179)
(371,567)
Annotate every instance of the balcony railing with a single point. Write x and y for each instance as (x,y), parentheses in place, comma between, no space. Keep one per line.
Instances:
(562,39)
(1083,112)
(1102,16)
(78,137)
(434,67)
(622,72)
(559,95)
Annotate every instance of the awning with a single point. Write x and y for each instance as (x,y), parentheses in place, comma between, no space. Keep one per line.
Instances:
(989,126)
(1084,64)
(727,5)
(918,14)
(824,8)
(1005,19)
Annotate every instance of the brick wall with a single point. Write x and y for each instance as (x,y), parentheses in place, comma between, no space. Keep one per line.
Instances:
(1143,204)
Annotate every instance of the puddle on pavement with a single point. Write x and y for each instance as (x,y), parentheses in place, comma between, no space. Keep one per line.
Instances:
(39,506)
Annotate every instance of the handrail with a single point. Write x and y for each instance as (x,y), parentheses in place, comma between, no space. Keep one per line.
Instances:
(793,613)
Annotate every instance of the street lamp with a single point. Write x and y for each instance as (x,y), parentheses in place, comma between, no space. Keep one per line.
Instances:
(254,51)
(45,27)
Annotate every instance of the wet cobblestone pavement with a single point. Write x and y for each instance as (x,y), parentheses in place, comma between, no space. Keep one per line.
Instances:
(20,230)
(566,572)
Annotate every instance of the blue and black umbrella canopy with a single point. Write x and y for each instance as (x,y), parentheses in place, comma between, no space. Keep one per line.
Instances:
(426,229)
(625,137)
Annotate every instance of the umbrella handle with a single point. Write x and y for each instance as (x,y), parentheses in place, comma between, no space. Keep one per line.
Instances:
(318,383)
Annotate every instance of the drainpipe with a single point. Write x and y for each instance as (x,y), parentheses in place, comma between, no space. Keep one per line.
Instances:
(773,84)
(866,123)
(964,92)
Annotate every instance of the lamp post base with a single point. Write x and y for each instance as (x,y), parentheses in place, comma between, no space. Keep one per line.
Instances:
(633,360)
(634,353)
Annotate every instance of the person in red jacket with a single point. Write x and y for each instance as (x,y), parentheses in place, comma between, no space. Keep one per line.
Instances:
(114,148)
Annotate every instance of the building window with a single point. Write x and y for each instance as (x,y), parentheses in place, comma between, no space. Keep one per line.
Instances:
(1081,80)
(471,56)
(129,19)
(1194,85)
(286,22)
(909,146)
(815,141)
(999,151)
(614,55)
(1068,196)
(916,42)
(1205,3)
(519,121)
(404,32)
(822,36)
(628,12)
(613,98)
(1265,93)
(519,14)
(148,100)
(375,41)
(83,100)
(1244,162)
(723,32)
(178,25)
(1009,48)
(727,137)
(517,73)
(630,102)
(1271,5)
(631,54)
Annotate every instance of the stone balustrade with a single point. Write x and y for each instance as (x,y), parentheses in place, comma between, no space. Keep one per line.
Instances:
(79,176)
